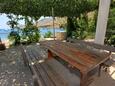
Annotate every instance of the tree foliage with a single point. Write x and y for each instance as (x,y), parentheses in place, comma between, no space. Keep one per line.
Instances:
(14,37)
(30,32)
(37,8)
(44,7)
(77,27)
(72,9)
(110,34)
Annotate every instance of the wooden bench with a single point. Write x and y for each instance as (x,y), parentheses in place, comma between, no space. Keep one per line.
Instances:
(43,74)
(93,45)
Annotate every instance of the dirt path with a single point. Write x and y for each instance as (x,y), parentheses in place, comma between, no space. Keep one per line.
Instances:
(12,70)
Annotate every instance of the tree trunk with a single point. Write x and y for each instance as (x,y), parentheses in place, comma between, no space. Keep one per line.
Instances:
(70,27)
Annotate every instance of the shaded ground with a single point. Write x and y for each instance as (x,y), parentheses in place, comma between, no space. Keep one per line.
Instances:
(12,70)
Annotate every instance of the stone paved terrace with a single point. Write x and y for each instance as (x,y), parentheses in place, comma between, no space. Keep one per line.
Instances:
(14,73)
(12,70)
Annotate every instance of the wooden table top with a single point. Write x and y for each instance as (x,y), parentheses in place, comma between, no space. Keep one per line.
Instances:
(77,55)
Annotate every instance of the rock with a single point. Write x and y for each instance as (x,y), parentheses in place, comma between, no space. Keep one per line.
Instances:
(2,47)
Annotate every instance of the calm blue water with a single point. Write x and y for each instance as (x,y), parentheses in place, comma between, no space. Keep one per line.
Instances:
(4,33)
(45,30)
(4,36)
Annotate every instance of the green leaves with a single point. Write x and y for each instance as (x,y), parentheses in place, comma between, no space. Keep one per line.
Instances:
(30,34)
(48,34)
(13,22)
(110,34)
(44,7)
(14,37)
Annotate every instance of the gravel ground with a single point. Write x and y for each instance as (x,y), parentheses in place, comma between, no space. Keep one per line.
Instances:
(12,70)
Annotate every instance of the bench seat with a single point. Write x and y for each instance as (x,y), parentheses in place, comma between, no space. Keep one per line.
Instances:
(43,73)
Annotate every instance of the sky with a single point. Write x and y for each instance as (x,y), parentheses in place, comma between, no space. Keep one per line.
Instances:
(4,20)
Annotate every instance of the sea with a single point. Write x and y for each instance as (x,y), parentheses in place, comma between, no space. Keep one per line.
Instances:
(5,32)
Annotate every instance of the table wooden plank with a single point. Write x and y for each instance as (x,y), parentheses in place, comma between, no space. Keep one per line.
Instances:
(97,56)
(68,51)
(83,55)
(80,66)
(77,56)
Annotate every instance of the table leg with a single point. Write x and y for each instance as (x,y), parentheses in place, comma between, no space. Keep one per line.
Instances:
(50,55)
(84,79)
(99,72)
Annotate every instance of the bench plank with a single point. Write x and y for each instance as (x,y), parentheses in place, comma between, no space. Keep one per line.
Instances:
(43,73)
(91,44)
(58,80)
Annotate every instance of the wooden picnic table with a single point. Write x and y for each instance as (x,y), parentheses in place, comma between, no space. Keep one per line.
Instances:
(85,60)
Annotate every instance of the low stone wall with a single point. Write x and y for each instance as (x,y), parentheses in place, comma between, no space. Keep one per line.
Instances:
(60,35)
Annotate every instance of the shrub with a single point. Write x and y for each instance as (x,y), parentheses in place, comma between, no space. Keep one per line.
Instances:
(30,34)
(14,37)
(110,34)
(48,34)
